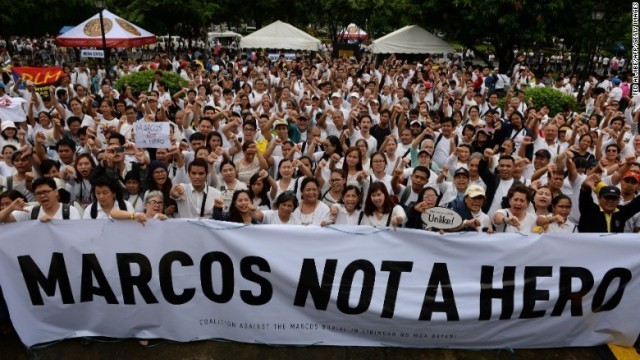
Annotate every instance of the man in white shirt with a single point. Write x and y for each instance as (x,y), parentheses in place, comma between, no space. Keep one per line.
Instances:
(49,207)
(615,94)
(195,199)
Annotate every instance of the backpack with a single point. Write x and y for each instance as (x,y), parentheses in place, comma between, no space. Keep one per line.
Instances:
(8,185)
(36,211)
(94,207)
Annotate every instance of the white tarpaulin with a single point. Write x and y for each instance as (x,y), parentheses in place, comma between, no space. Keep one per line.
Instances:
(411,39)
(359,286)
(280,35)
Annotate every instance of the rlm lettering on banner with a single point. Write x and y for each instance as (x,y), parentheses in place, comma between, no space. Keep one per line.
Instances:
(152,134)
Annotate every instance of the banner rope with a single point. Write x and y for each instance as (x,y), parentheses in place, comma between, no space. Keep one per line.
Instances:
(359,233)
(205,225)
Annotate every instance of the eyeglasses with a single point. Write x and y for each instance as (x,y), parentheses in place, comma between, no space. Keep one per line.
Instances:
(156,203)
(335,180)
(43,193)
(430,197)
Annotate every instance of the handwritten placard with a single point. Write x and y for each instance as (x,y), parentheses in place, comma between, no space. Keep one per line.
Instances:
(441,218)
(152,134)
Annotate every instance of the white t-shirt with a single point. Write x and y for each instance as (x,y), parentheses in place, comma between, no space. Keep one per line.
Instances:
(26,215)
(103,215)
(271,217)
(501,191)
(374,221)
(526,225)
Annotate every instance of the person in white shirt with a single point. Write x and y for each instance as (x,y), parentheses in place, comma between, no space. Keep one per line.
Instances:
(379,208)
(194,199)
(107,193)
(48,208)
(285,204)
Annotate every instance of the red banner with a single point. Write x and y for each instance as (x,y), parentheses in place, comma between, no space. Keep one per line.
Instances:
(40,76)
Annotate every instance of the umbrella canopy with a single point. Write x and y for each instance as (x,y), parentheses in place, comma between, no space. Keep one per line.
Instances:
(410,39)
(280,35)
(352,32)
(65,29)
(119,33)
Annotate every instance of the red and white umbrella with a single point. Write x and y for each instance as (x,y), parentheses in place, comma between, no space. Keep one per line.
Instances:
(352,32)
(119,33)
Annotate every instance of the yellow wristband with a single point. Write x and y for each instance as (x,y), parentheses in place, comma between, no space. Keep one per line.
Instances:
(133,216)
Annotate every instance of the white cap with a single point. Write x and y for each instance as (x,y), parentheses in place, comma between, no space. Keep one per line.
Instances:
(336,94)
(7,124)
(355,95)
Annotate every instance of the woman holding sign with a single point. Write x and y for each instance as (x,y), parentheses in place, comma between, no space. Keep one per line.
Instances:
(429,199)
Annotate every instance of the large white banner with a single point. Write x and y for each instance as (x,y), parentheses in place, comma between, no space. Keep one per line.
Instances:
(194,280)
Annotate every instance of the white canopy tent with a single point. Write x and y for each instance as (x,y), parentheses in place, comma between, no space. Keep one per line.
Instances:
(223,34)
(411,39)
(280,35)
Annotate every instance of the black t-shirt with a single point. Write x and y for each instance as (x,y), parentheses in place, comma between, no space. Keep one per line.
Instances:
(380,134)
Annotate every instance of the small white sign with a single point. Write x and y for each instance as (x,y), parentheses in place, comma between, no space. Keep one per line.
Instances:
(92,53)
(441,218)
(152,134)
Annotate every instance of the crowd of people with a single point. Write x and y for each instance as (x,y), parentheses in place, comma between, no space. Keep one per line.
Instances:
(322,141)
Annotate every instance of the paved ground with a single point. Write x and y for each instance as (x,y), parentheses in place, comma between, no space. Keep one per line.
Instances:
(109,349)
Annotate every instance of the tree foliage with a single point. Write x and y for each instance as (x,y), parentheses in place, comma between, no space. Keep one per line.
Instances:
(505,24)
(140,80)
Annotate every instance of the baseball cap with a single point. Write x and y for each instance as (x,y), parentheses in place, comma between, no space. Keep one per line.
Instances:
(427,85)
(354,95)
(1,86)
(543,153)
(336,94)
(627,175)
(424,151)
(415,122)
(280,122)
(461,171)
(474,191)
(615,81)
(609,191)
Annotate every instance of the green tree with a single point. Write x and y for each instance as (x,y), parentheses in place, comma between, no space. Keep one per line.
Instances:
(505,24)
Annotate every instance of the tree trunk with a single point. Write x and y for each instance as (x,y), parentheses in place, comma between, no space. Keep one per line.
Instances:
(504,56)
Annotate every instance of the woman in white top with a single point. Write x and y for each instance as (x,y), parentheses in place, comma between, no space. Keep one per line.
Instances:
(229,183)
(348,212)
(516,218)
(79,186)
(251,162)
(9,134)
(558,221)
(108,195)
(378,171)
(286,180)
(311,211)
(352,166)
(285,205)
(379,208)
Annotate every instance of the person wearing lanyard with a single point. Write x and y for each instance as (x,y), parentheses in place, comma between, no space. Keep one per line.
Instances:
(195,199)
